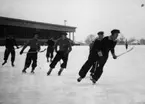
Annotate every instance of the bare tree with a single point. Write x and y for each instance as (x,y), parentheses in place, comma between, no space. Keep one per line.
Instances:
(121,40)
(89,39)
(142,41)
(131,40)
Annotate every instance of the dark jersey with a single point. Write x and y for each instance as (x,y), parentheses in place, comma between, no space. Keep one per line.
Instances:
(95,46)
(107,45)
(50,43)
(64,45)
(10,43)
(34,45)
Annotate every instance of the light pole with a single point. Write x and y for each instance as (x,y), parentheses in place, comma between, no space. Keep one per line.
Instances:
(65,22)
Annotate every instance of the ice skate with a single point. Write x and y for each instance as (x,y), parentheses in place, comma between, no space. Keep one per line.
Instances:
(13,65)
(79,79)
(24,71)
(60,71)
(48,73)
(32,72)
(4,62)
(93,81)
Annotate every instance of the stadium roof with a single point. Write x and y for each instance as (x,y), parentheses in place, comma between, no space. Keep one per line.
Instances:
(35,24)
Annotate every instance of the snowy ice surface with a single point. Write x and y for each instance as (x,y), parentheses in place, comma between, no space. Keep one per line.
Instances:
(122,82)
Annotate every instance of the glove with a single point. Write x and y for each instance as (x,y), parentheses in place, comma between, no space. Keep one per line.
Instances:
(114,57)
(100,54)
(21,52)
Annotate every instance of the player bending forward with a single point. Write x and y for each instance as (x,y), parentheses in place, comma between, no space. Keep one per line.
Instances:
(63,52)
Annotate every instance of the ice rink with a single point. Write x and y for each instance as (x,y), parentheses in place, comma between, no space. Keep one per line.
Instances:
(122,82)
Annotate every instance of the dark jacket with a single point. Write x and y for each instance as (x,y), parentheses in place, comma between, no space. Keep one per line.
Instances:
(107,45)
(10,43)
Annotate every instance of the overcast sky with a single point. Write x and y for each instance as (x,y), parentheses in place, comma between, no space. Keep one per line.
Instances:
(89,16)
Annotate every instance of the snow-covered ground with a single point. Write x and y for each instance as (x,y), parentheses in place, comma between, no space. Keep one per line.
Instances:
(123,80)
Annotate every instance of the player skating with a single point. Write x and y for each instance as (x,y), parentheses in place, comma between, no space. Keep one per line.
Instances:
(10,42)
(63,52)
(93,57)
(95,64)
(50,49)
(32,53)
(107,44)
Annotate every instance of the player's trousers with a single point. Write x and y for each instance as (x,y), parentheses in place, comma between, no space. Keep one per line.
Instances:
(99,69)
(49,53)
(88,64)
(7,53)
(60,55)
(31,58)
(93,68)
(95,64)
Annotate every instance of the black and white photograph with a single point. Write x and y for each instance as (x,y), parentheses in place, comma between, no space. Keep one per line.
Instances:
(72,52)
